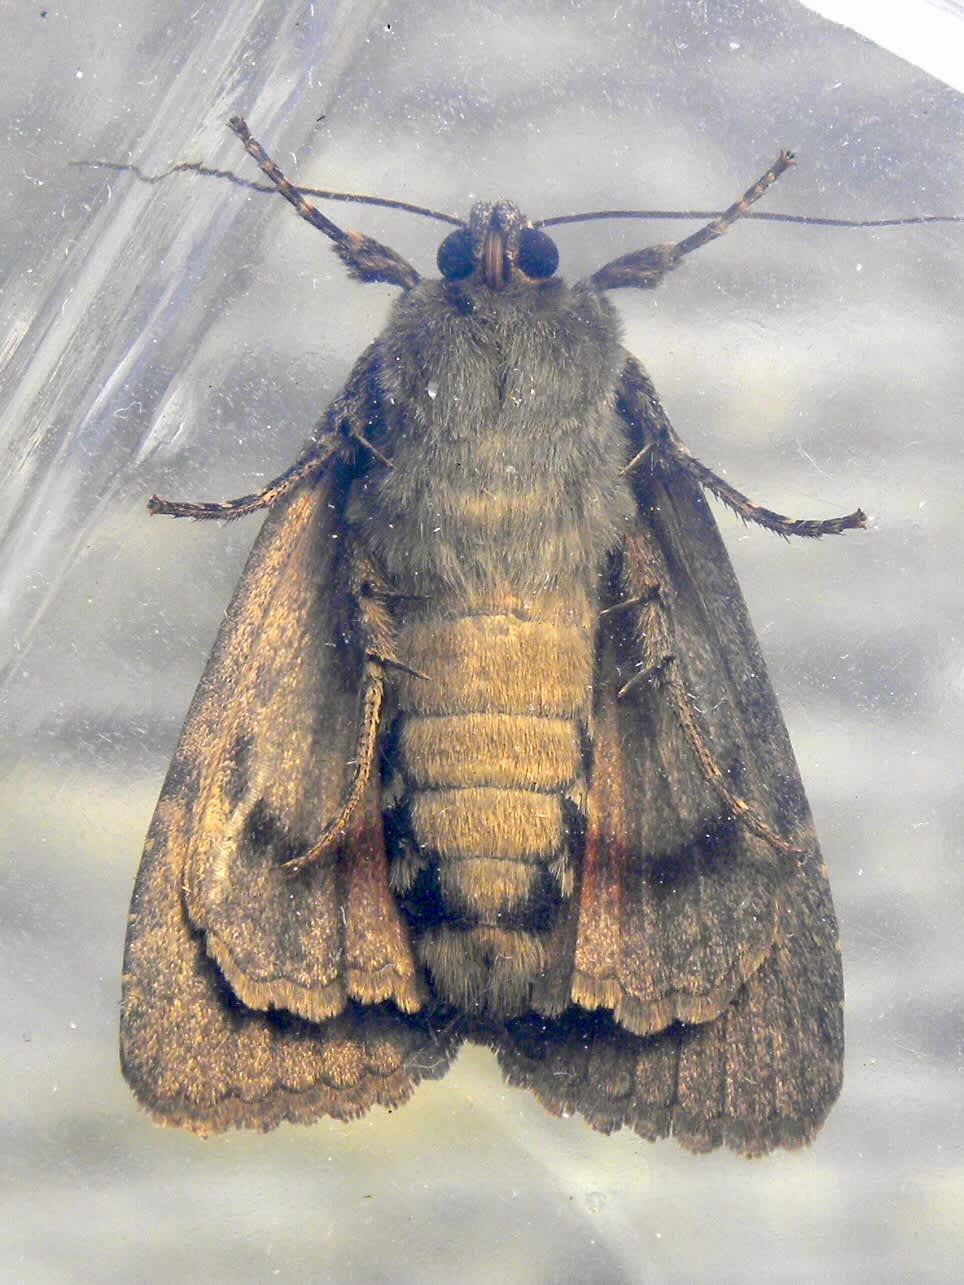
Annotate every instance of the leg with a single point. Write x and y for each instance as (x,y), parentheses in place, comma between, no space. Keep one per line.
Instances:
(365,259)
(646,268)
(637,402)
(750,512)
(376,627)
(310,462)
(657,663)
(340,431)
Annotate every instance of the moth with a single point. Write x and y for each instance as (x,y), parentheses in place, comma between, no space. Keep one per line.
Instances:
(486,749)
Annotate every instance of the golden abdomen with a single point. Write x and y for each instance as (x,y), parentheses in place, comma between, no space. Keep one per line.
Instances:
(490,748)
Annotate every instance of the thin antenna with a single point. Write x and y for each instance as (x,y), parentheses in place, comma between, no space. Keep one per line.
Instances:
(207,171)
(768,216)
(558,220)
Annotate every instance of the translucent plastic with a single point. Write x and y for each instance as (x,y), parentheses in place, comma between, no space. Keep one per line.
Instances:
(182,339)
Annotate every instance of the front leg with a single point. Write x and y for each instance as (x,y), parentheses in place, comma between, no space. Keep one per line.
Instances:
(645,269)
(640,406)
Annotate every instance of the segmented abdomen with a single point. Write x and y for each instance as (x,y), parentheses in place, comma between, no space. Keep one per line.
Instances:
(489,747)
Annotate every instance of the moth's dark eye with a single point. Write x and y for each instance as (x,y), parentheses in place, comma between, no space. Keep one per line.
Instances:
(538,256)
(455,255)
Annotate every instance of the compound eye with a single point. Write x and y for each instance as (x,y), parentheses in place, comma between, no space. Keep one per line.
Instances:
(454,256)
(538,256)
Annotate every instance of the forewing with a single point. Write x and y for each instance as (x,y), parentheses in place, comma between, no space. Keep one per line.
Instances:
(217,928)
(681,900)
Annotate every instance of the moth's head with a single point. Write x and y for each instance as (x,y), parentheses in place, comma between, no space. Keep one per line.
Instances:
(498,247)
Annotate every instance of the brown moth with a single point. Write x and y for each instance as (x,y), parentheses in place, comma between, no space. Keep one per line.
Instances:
(486,749)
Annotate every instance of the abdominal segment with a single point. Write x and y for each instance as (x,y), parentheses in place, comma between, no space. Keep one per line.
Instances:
(489,750)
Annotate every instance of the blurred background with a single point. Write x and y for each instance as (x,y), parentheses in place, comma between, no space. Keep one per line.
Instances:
(183,338)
